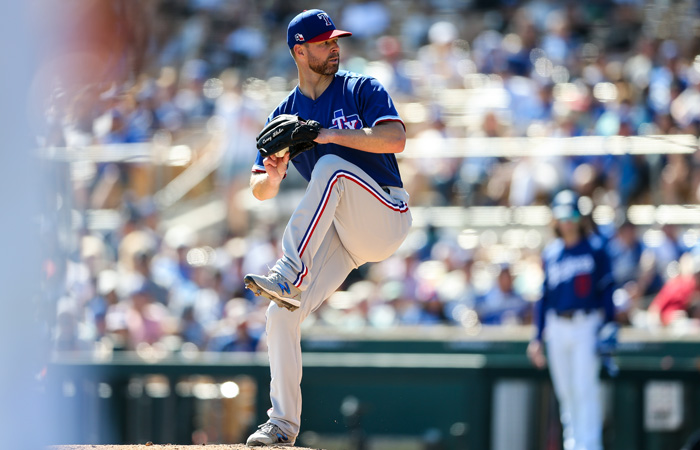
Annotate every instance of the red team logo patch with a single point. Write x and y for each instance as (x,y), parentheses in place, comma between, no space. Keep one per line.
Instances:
(582,285)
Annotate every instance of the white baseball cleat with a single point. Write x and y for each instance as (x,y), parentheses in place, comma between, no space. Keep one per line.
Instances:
(270,434)
(275,287)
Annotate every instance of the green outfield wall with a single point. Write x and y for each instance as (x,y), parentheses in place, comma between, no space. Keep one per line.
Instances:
(434,388)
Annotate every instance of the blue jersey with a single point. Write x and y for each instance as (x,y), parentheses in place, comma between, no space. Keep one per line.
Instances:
(351,101)
(575,278)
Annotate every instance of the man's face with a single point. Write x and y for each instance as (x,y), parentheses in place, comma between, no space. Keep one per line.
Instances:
(569,228)
(505,281)
(627,235)
(324,57)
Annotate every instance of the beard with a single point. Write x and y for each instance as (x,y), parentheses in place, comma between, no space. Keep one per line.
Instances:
(324,67)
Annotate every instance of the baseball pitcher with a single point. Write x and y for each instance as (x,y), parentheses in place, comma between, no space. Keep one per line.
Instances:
(340,130)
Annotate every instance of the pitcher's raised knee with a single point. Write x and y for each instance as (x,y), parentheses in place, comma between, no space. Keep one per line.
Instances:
(327,165)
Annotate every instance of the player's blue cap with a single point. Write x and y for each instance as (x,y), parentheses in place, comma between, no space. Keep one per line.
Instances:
(565,206)
(313,25)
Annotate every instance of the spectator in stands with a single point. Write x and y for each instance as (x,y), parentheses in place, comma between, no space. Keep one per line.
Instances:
(190,99)
(168,115)
(476,173)
(435,177)
(142,267)
(670,249)
(236,332)
(209,299)
(501,304)
(367,19)
(432,312)
(626,252)
(679,298)
(444,60)
(172,269)
(145,318)
(457,291)
(106,296)
(398,80)
(635,274)
(191,330)
(675,178)
(243,340)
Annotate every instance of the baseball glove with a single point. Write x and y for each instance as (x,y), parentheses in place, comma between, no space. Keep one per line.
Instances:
(287,132)
(607,346)
(607,339)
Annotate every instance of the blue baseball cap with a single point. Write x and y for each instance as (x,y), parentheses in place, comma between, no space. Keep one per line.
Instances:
(313,25)
(566,212)
(565,206)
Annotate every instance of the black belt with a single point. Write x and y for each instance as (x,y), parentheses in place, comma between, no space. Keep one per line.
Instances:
(569,313)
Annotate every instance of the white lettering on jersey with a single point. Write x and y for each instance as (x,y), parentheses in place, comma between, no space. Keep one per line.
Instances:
(562,271)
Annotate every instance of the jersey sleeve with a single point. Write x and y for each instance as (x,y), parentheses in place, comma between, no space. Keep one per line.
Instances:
(258,166)
(376,105)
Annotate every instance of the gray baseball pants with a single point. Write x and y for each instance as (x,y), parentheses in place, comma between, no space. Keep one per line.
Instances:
(344,220)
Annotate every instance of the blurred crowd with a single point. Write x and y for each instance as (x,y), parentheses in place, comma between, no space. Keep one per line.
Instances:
(206,73)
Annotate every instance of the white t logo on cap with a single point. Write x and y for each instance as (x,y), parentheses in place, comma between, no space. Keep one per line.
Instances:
(325,17)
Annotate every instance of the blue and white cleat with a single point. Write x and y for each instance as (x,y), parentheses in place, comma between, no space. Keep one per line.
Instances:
(270,434)
(275,287)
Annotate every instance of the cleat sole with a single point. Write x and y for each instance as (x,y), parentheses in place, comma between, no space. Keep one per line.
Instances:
(258,291)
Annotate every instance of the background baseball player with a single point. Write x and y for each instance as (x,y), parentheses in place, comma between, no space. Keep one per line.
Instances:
(354,209)
(578,286)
